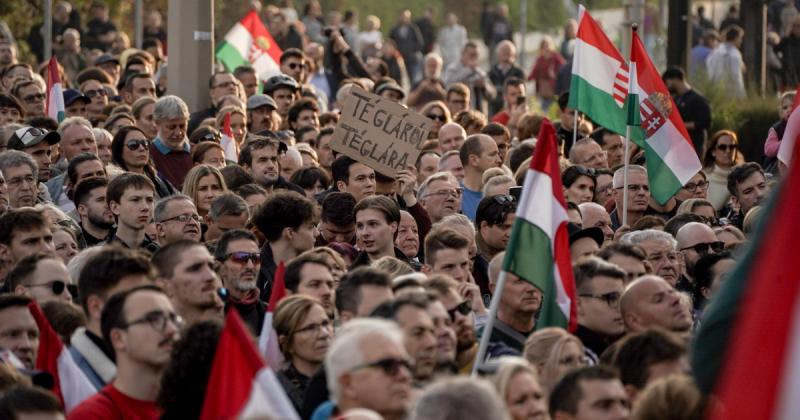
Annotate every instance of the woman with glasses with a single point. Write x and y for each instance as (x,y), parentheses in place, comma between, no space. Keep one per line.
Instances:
(130,150)
(700,207)
(518,385)
(437,112)
(304,335)
(719,158)
(554,352)
(579,184)
(697,187)
(203,184)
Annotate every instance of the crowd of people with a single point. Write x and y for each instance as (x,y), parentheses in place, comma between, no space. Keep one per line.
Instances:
(135,232)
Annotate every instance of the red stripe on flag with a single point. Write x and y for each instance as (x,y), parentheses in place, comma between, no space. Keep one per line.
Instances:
(226,125)
(50,347)
(261,36)
(52,78)
(278,287)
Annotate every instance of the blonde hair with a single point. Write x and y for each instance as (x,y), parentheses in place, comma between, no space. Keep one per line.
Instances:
(751,220)
(193,178)
(672,397)
(289,316)
(392,266)
(229,110)
(509,367)
(544,349)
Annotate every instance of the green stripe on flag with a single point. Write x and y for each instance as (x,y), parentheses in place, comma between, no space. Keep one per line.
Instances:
(229,56)
(529,255)
(598,105)
(634,118)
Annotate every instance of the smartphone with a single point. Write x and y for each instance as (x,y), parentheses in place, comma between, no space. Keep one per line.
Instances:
(521,100)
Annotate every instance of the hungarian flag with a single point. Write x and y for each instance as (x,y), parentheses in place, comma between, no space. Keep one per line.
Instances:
(249,43)
(55,96)
(228,143)
(71,385)
(747,349)
(538,250)
(241,385)
(599,83)
(671,158)
(268,340)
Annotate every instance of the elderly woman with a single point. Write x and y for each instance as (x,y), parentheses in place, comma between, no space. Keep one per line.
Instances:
(518,385)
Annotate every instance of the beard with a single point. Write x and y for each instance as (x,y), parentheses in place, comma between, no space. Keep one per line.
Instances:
(100,221)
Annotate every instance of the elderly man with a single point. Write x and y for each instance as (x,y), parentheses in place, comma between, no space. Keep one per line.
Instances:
(659,247)
(595,215)
(431,88)
(586,152)
(170,149)
(638,195)
(695,240)
(440,195)
(649,301)
(19,172)
(261,114)
(176,218)
(368,367)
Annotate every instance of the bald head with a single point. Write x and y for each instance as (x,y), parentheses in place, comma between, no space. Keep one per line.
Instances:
(595,215)
(651,301)
(694,241)
(451,137)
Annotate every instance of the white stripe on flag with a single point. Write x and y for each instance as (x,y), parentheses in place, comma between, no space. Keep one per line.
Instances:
(240,38)
(595,67)
(268,399)
(546,215)
(268,343)
(676,152)
(75,386)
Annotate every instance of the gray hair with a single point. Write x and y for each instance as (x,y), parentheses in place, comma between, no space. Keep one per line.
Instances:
(438,176)
(496,181)
(619,175)
(170,107)
(69,122)
(228,204)
(102,132)
(75,265)
(573,154)
(294,154)
(446,156)
(346,352)
(639,236)
(161,205)
(460,398)
(456,221)
(15,158)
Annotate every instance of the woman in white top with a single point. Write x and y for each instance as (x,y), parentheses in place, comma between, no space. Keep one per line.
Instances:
(719,158)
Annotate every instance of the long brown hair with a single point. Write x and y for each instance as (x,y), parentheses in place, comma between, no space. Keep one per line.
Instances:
(708,153)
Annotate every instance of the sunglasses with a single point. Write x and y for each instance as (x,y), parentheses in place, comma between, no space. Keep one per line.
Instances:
(437,117)
(244,257)
(135,144)
(726,147)
(705,248)
(97,92)
(35,97)
(504,200)
(389,366)
(463,308)
(58,286)
(293,66)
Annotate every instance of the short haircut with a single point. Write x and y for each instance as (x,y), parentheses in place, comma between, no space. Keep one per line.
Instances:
(165,259)
(703,274)
(160,209)
(619,174)
(242,70)
(85,188)
(307,178)
(458,88)
(392,266)
(72,166)
(24,269)
(495,129)
(471,146)
(23,399)
(340,168)
(227,204)
(9,101)
(567,393)
(71,121)
(281,210)
(675,223)
(348,294)
(129,80)
(438,176)
(673,73)
(337,208)
(300,106)
(637,352)
(292,52)
(733,33)
(113,315)
(637,237)
(170,107)
(441,238)
(587,269)
(103,271)
(390,309)
(741,173)
(459,398)
(563,101)
(381,203)
(15,158)
(257,143)
(295,266)
(520,154)
(492,211)
(246,190)
(213,78)
(621,248)
(123,182)
(512,81)
(221,250)
(236,177)
(20,220)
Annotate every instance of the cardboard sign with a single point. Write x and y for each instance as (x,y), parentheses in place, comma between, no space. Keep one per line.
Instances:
(379,133)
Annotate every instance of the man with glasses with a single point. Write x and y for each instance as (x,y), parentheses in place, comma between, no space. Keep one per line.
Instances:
(186,269)
(368,367)
(42,277)
(294,63)
(219,84)
(310,275)
(587,153)
(440,195)
(599,287)
(141,327)
(650,301)
(32,97)
(176,219)
(478,154)
(20,172)
(462,318)
(238,263)
(695,240)
(660,248)
(96,92)
(638,195)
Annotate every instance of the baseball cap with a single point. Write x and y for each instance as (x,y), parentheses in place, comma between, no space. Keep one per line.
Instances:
(105,58)
(281,80)
(31,136)
(72,95)
(390,86)
(258,100)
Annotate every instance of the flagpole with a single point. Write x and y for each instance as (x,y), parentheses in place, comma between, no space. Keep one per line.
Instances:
(574,126)
(487,329)
(625,177)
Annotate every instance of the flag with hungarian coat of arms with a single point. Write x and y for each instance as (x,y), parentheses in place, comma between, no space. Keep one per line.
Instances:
(249,43)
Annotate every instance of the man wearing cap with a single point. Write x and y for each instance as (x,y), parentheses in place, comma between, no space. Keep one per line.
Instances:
(36,143)
(75,103)
(584,242)
(110,65)
(220,84)
(391,91)
(284,90)
(261,114)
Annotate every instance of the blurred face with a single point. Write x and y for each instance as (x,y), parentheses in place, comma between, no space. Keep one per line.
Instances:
(295,67)
(497,236)
(214,157)
(324,151)
(786,104)
(520,295)
(104,148)
(88,169)
(135,209)
(288,166)
(598,306)
(65,245)
(700,241)
(602,399)
(385,391)
(208,188)
(442,199)
(141,340)
(303,237)
(420,339)
(581,191)
(374,232)
(250,82)
(445,334)
(77,139)
(658,304)
(194,283)
(3,194)
(146,122)
(407,235)
(238,127)
(451,137)
(335,233)
(239,271)
(752,191)
(453,165)
(604,190)
(96,92)
(615,149)
(730,240)
(596,217)
(224,84)
(428,165)
(19,333)
(361,182)
(457,102)
(313,337)
(142,86)
(590,155)
(21,183)
(512,93)
(525,399)
(489,157)
(264,168)
(172,229)
(633,267)
(317,281)
(582,248)
(664,259)
(173,132)
(9,116)
(216,227)
(307,118)
(32,98)
(136,152)
(697,187)
(725,151)
(76,109)
(638,192)
(40,286)
(453,262)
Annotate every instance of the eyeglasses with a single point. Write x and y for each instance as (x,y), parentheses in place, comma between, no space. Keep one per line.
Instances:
(58,286)
(694,186)
(184,218)
(135,144)
(726,147)
(611,298)
(18,180)
(157,320)
(389,365)
(705,248)
(458,192)
(97,92)
(463,308)
(244,257)
(316,328)
(635,188)
(34,97)
(437,117)
(504,200)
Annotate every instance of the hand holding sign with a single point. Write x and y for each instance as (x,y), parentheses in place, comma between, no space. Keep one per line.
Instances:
(379,133)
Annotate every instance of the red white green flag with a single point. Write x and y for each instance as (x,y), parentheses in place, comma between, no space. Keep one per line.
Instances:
(671,158)
(538,250)
(227,141)
(55,96)
(249,43)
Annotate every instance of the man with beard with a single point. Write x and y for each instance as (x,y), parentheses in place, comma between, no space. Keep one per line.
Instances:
(260,158)
(186,268)
(659,247)
(310,275)
(695,240)
(141,327)
(462,318)
(649,301)
(96,220)
(176,218)
(238,262)
(748,188)
(599,286)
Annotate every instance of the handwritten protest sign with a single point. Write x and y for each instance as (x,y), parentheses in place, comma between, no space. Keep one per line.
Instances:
(379,133)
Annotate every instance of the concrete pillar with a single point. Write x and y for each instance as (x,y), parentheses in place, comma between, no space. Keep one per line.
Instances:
(191,50)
